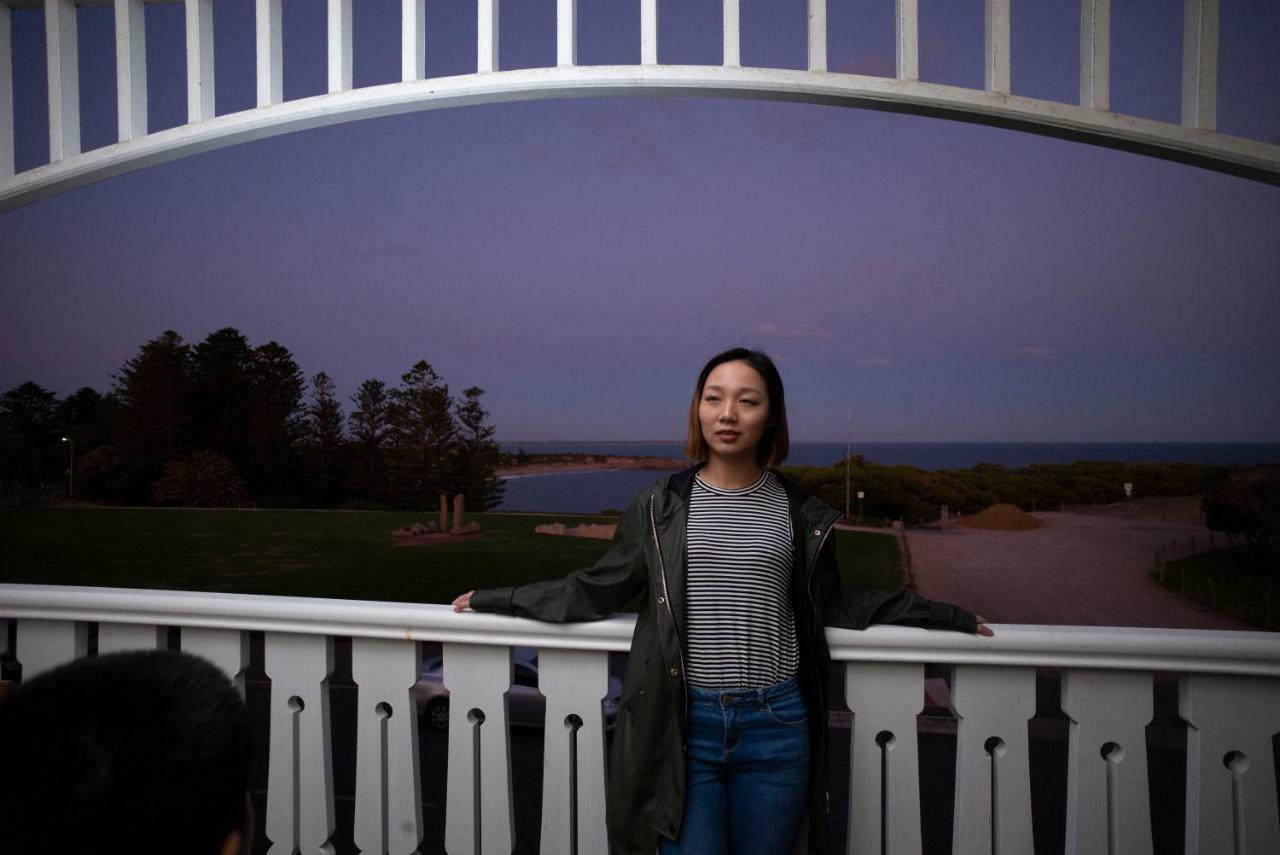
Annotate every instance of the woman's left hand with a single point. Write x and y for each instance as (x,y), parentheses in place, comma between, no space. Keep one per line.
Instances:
(983,629)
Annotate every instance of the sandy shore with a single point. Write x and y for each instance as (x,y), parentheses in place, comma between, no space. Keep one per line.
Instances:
(608,463)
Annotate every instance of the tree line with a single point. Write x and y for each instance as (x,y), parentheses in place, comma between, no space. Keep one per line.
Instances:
(223,423)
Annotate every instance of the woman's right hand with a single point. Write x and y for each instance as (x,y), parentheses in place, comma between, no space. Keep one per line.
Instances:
(461,604)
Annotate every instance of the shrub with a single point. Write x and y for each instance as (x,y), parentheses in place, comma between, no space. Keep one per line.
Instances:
(202,480)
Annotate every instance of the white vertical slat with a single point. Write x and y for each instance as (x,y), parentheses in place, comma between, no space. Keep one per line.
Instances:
(817,35)
(62,60)
(487,35)
(226,648)
(566,32)
(118,637)
(131,70)
(1230,809)
(996,42)
(46,644)
(339,45)
(478,809)
(732,33)
(1108,802)
(884,697)
(574,683)
(388,811)
(648,32)
(1095,54)
(993,794)
(300,786)
(907,37)
(199,14)
(413,39)
(270,51)
(1200,64)
(7,165)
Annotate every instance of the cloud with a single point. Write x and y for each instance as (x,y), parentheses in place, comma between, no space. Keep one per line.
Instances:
(769,329)
(874,361)
(392,250)
(875,64)
(1028,354)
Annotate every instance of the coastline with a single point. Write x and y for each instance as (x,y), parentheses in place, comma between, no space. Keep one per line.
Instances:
(610,463)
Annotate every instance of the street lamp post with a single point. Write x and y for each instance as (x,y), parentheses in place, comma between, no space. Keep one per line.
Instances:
(71,470)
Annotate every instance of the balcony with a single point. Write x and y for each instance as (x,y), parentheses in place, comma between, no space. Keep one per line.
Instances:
(1062,739)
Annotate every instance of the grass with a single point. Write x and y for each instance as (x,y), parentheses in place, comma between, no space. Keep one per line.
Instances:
(344,555)
(1243,581)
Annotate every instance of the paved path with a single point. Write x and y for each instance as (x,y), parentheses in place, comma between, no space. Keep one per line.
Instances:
(1076,569)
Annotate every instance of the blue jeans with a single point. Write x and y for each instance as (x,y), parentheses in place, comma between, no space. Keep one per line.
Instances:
(747,780)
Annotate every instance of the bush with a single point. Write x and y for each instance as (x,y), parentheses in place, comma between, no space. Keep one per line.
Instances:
(1247,504)
(202,480)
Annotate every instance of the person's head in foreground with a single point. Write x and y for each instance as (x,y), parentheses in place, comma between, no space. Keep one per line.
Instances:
(140,752)
(739,411)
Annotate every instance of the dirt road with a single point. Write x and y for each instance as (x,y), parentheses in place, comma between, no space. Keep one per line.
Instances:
(1077,569)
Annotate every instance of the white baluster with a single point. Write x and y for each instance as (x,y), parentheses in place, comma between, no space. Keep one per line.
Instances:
(907,36)
(388,813)
(226,648)
(199,22)
(479,818)
(1231,776)
(7,165)
(996,42)
(817,35)
(115,637)
(884,697)
(1108,801)
(566,32)
(46,644)
(413,39)
(574,683)
(732,32)
(1095,54)
(486,35)
(1200,64)
(993,786)
(269,47)
(300,788)
(131,70)
(63,66)
(648,32)
(339,34)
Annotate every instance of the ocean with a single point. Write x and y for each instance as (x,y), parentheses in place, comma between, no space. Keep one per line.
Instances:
(593,492)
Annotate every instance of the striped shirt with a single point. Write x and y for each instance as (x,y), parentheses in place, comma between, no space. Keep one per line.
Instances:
(741,627)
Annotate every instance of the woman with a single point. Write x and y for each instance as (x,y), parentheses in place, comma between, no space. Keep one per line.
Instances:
(720,743)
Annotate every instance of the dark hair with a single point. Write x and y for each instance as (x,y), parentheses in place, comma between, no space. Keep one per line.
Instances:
(775,443)
(145,751)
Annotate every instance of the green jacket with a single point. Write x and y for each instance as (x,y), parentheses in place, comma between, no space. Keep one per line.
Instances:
(647,772)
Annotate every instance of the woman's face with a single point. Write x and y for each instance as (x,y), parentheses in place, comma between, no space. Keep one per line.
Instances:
(733,410)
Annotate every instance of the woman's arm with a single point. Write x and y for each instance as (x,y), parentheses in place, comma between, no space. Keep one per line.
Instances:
(858,609)
(590,593)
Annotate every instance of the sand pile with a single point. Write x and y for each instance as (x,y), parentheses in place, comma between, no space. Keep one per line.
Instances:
(1001,517)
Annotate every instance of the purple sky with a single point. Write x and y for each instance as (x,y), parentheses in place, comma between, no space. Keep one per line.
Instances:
(580,259)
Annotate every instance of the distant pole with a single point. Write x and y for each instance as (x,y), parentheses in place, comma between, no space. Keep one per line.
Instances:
(71,469)
(848,451)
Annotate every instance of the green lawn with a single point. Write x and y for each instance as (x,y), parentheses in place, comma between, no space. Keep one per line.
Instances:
(319,554)
(1244,581)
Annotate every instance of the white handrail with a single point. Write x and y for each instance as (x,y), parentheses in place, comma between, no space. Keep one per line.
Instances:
(1127,648)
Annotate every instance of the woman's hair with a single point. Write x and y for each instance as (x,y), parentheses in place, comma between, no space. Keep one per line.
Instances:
(775,443)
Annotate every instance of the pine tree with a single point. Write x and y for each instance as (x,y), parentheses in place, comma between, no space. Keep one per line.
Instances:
(277,426)
(221,369)
(477,456)
(324,440)
(370,427)
(152,391)
(423,435)
(29,455)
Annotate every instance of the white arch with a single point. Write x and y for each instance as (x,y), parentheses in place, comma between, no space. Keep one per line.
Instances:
(1193,142)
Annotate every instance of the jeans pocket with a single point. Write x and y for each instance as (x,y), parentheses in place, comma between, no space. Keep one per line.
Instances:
(788,711)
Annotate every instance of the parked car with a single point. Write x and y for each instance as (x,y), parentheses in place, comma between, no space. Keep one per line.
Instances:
(526,706)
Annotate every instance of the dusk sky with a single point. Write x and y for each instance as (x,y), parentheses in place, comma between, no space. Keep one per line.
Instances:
(580,259)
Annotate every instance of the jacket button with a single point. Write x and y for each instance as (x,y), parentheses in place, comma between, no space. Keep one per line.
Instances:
(675,672)
(661,600)
(817,531)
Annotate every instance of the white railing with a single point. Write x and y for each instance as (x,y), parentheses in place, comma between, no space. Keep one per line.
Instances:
(1194,140)
(1229,694)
